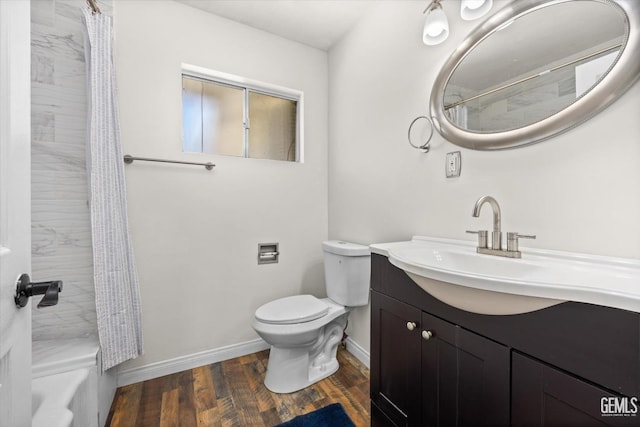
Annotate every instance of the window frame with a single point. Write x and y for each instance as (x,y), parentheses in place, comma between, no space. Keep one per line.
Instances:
(256,86)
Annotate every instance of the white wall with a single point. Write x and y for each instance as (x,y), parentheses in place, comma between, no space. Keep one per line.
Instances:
(577,192)
(196,233)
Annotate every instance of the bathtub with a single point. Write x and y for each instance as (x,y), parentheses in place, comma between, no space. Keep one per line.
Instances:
(68,387)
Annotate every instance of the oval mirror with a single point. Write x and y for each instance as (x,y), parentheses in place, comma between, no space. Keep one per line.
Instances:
(535,69)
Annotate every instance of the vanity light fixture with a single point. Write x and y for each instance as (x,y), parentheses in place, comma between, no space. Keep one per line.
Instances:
(474,9)
(436,24)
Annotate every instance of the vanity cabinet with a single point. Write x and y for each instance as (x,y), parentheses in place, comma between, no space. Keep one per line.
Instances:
(432,372)
(435,365)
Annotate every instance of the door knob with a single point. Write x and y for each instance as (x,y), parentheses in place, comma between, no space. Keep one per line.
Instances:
(411,325)
(427,334)
(25,288)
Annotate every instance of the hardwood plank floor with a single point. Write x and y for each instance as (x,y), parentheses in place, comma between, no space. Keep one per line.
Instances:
(232,393)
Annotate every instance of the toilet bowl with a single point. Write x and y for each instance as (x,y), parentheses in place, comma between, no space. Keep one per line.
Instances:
(301,353)
(304,331)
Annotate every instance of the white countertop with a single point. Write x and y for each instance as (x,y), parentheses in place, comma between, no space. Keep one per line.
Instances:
(566,276)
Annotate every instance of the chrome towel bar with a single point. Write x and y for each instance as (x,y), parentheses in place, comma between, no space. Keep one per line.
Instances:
(128,159)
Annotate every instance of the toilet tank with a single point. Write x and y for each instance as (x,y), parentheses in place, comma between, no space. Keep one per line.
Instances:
(347,270)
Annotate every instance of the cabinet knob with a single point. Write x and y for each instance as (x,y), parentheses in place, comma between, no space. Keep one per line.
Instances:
(427,334)
(411,325)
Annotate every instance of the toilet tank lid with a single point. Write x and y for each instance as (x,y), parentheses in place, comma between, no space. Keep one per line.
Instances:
(340,247)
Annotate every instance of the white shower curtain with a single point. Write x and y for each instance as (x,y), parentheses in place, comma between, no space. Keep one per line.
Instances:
(116,284)
(458,115)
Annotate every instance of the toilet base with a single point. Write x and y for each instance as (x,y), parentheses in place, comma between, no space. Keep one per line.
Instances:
(292,369)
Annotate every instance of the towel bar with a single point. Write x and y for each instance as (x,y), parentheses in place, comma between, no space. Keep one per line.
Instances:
(128,159)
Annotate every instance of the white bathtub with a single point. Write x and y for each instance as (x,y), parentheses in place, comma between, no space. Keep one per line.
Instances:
(68,389)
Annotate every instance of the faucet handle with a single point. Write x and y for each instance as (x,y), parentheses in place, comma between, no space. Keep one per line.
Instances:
(482,237)
(512,240)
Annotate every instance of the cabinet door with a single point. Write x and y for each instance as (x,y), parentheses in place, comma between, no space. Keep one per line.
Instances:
(465,377)
(545,396)
(395,361)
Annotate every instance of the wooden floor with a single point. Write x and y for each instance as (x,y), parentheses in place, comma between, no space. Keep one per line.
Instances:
(232,393)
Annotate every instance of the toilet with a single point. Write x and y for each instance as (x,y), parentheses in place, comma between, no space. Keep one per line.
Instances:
(304,331)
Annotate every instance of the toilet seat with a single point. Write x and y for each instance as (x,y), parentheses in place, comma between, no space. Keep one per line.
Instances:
(291,310)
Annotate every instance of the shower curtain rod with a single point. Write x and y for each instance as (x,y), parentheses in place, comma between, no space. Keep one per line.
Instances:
(94,6)
(129,159)
(525,79)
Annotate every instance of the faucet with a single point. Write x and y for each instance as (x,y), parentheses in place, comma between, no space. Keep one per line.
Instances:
(496,236)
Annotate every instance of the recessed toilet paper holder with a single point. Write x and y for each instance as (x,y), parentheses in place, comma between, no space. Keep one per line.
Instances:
(268,253)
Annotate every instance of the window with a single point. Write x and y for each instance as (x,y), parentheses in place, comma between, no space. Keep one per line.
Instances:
(229,115)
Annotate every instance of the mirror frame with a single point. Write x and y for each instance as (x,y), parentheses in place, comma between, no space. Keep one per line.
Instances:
(623,74)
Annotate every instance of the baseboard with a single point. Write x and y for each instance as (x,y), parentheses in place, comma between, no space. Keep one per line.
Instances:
(182,363)
(358,352)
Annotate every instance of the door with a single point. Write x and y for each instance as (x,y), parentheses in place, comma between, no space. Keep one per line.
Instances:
(395,362)
(544,396)
(465,377)
(15,215)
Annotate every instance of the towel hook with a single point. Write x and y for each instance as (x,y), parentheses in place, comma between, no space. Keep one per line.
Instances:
(425,146)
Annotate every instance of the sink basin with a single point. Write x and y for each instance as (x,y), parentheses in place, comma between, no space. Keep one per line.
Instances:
(452,271)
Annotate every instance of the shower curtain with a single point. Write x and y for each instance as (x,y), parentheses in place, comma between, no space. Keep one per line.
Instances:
(116,285)
(458,115)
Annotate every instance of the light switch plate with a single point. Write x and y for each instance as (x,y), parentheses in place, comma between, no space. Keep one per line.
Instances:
(453,164)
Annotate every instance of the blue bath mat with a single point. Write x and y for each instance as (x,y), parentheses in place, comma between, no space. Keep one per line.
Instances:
(329,416)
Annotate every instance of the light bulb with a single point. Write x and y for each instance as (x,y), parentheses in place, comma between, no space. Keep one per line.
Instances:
(436,27)
(474,9)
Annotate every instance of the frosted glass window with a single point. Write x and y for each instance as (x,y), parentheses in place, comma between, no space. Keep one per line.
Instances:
(213,118)
(272,134)
(229,118)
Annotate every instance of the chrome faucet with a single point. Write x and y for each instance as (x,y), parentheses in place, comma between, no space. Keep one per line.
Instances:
(496,236)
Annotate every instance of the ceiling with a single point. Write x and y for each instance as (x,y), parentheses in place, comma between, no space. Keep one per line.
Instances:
(317,23)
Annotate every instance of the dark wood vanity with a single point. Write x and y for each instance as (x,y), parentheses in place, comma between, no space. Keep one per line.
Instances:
(571,364)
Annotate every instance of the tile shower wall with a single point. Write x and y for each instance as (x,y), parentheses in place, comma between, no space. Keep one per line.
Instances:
(61,234)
